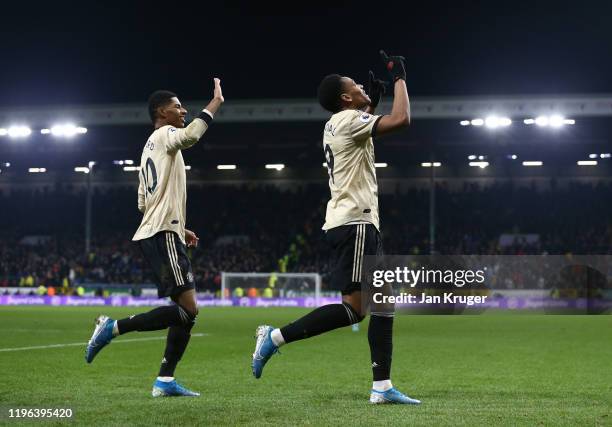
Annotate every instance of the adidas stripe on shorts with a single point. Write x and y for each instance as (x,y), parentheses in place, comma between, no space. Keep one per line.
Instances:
(167,257)
(350,243)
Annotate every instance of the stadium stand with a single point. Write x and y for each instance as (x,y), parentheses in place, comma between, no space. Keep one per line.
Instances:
(263,228)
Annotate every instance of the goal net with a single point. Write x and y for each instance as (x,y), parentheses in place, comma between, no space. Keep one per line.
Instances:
(271,285)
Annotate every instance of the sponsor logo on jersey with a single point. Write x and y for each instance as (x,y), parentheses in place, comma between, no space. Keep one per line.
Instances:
(365,117)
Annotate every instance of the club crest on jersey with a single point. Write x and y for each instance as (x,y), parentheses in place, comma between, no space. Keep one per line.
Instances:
(365,117)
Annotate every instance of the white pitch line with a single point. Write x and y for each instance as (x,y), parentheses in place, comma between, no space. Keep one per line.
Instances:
(75,344)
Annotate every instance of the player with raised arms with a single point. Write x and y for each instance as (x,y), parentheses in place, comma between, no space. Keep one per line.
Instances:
(162,236)
(351,221)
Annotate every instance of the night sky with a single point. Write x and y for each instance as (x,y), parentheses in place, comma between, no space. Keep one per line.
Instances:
(102,54)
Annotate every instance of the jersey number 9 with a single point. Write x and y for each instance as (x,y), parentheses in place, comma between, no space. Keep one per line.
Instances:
(329,158)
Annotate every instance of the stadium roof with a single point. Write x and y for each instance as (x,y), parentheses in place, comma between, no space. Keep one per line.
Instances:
(517,106)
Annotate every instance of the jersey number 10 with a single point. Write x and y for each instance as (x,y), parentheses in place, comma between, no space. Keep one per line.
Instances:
(150,167)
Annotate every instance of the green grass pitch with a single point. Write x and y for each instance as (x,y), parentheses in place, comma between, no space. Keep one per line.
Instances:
(490,369)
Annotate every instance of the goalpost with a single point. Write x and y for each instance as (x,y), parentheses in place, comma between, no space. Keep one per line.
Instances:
(271,285)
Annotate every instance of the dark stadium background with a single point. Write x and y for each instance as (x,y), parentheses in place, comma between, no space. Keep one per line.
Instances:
(111,52)
(106,54)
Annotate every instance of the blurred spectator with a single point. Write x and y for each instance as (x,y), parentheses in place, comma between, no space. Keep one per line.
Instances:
(240,233)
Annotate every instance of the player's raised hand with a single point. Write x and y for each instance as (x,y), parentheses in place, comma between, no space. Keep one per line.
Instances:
(376,89)
(218,93)
(395,65)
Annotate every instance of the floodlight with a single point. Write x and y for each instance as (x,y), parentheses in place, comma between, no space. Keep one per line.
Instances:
(277,166)
(19,131)
(481,165)
(555,121)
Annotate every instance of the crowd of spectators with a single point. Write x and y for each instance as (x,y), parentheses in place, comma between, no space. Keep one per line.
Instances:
(261,228)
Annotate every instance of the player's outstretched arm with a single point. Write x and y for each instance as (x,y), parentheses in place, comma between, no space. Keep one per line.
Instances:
(214,105)
(400,111)
(179,139)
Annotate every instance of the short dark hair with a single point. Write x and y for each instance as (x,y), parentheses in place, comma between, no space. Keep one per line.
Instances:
(329,93)
(159,98)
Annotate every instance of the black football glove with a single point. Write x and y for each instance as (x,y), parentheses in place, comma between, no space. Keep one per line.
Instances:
(395,66)
(376,89)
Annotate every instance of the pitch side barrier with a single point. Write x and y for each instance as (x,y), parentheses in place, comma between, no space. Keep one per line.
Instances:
(547,305)
(436,284)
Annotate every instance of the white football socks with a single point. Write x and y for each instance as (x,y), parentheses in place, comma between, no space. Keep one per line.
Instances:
(277,337)
(382,385)
(165,379)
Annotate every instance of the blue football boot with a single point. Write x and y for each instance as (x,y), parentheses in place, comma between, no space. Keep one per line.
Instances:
(392,395)
(264,349)
(170,389)
(102,335)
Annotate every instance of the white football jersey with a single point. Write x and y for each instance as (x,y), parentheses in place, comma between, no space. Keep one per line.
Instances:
(349,153)
(162,191)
